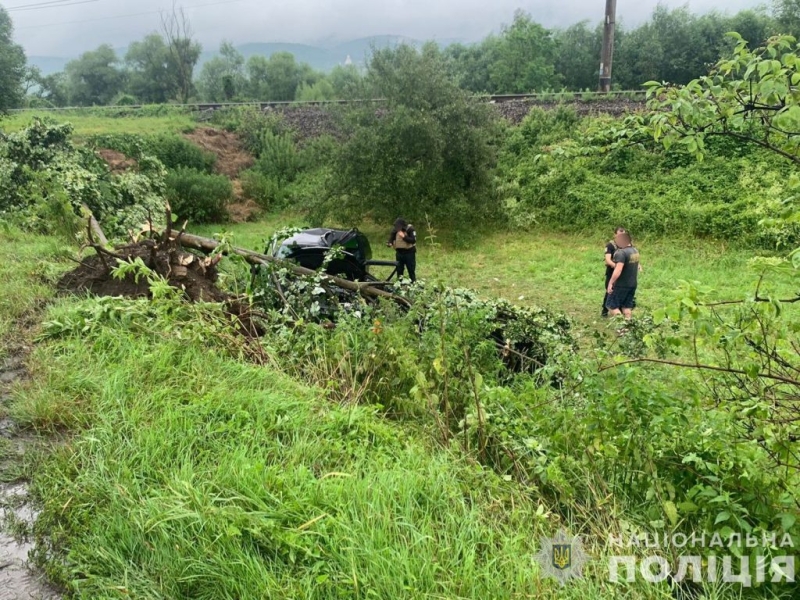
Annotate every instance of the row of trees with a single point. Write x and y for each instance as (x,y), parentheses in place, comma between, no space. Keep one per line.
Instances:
(674,45)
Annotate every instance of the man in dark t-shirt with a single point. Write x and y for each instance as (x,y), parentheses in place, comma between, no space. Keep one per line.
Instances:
(622,287)
(611,248)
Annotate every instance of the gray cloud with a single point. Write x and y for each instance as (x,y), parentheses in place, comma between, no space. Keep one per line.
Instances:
(69,30)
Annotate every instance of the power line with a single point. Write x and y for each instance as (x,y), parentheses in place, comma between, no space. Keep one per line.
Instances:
(37,4)
(44,5)
(150,12)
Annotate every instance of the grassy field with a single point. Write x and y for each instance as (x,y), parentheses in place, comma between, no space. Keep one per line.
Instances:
(190,473)
(553,270)
(87,124)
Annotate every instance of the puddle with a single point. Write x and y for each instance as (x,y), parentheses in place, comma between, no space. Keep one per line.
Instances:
(17,581)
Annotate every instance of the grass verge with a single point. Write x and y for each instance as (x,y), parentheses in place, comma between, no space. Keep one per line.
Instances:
(95,124)
(191,474)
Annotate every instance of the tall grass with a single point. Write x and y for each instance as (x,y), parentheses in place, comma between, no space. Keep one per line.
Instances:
(29,265)
(194,475)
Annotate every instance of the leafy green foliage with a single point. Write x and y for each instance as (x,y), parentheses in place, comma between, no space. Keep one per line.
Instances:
(222,79)
(267,192)
(751,96)
(556,171)
(172,150)
(197,196)
(94,78)
(12,66)
(430,152)
(44,174)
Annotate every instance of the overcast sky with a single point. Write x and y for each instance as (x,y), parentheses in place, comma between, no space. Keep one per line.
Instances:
(70,30)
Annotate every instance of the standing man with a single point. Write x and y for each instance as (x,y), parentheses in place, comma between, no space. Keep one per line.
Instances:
(404,241)
(611,248)
(622,287)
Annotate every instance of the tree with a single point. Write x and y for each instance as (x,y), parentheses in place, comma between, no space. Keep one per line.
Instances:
(257,78)
(522,58)
(470,64)
(283,76)
(347,82)
(431,153)
(94,77)
(222,78)
(54,89)
(752,96)
(745,347)
(184,52)
(578,55)
(787,13)
(150,74)
(12,65)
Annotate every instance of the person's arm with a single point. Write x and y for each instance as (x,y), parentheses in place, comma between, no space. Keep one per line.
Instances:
(392,237)
(610,250)
(614,276)
(410,235)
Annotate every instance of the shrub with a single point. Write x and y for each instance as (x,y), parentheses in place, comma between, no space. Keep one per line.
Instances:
(198,196)
(172,150)
(278,157)
(250,124)
(175,151)
(264,190)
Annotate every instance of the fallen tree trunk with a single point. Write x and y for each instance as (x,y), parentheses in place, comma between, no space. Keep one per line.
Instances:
(94,228)
(256,258)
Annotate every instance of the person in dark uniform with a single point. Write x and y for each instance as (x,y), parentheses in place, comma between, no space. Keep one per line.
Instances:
(404,241)
(611,248)
(624,279)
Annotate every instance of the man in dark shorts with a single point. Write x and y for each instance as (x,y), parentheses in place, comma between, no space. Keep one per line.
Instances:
(611,248)
(622,287)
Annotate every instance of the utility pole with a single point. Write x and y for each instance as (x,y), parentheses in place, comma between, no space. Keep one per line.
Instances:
(607,55)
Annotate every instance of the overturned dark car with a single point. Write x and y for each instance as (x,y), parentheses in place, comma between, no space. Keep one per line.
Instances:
(310,247)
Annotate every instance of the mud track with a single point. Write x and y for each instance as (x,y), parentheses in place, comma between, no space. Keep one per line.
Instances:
(17,580)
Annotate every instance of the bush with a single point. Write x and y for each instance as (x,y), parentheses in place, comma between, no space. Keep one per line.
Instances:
(250,124)
(175,152)
(198,196)
(277,157)
(553,173)
(172,150)
(265,191)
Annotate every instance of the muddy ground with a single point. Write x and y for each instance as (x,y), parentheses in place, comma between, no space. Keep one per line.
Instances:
(188,272)
(17,580)
(193,274)
(232,159)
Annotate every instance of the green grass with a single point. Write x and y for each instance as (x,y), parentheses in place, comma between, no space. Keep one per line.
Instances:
(558,271)
(30,265)
(194,475)
(94,124)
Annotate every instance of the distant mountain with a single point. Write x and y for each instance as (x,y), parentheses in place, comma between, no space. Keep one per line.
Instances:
(322,58)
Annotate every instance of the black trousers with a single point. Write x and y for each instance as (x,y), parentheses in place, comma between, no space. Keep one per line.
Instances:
(406,259)
(605,295)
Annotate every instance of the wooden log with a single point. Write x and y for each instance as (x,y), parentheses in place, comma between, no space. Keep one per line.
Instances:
(256,258)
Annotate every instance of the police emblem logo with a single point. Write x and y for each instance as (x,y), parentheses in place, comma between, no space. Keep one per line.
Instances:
(562,557)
